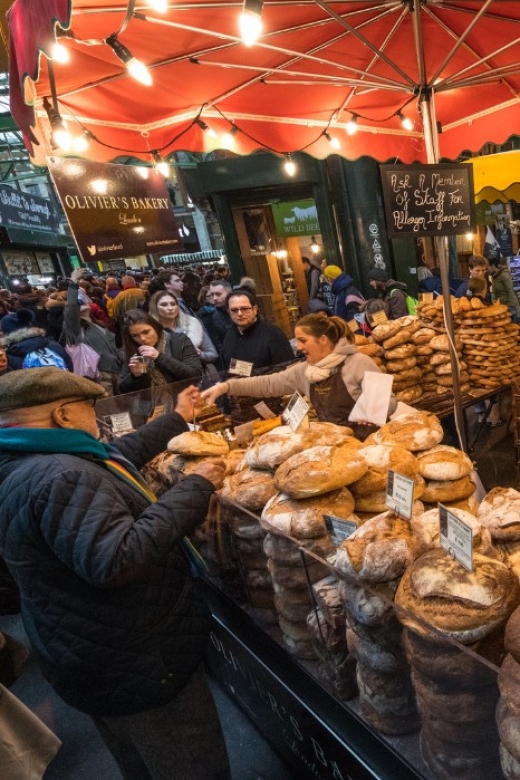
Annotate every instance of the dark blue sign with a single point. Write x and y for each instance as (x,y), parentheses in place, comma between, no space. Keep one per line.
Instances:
(23,210)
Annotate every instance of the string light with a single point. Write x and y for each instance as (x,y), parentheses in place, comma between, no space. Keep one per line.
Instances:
(289,166)
(80,143)
(228,139)
(250,21)
(405,121)
(333,141)
(161,165)
(60,136)
(158,5)
(135,67)
(352,125)
(205,128)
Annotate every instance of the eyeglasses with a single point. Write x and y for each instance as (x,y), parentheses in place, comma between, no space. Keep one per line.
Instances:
(239,309)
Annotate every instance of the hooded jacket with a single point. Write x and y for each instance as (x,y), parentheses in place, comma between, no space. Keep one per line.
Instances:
(109,608)
(21,342)
(394,296)
(342,288)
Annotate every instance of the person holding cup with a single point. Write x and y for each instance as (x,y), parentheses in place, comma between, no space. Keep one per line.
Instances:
(155,356)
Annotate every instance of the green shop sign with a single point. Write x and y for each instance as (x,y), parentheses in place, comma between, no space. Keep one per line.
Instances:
(296,218)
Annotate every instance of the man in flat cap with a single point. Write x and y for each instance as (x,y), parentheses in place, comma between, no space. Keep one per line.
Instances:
(107,599)
(392,291)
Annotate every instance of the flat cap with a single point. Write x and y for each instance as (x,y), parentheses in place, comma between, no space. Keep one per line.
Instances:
(35,386)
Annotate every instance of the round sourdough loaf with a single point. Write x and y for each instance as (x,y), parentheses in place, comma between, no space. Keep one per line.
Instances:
(500,512)
(198,443)
(376,502)
(372,606)
(304,518)
(321,469)
(274,447)
(380,550)
(448,490)
(250,488)
(443,463)
(409,394)
(464,605)
(426,529)
(386,330)
(413,431)
(380,458)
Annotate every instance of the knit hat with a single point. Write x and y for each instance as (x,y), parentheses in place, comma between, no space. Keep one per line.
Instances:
(332,272)
(377,275)
(35,386)
(16,320)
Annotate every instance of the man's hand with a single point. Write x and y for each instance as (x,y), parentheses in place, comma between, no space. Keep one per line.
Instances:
(189,403)
(210,395)
(213,470)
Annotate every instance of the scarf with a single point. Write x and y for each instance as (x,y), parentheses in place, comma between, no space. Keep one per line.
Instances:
(81,443)
(317,372)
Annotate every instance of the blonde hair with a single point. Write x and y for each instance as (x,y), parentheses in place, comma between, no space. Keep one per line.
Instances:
(320,324)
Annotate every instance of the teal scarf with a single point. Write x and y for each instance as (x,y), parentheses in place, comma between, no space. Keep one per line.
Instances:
(74,442)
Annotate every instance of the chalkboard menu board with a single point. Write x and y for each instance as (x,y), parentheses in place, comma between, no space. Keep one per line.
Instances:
(428,200)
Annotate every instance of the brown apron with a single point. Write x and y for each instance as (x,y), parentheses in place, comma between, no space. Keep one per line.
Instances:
(333,403)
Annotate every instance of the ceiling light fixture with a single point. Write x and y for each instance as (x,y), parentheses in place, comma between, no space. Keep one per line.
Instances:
(161,165)
(60,136)
(228,139)
(250,22)
(205,128)
(405,121)
(135,67)
(333,141)
(158,5)
(289,166)
(352,125)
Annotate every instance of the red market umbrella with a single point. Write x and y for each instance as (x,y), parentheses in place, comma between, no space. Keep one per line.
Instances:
(450,66)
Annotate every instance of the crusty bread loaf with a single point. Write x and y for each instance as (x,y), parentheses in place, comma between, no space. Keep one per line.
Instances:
(380,458)
(500,512)
(409,394)
(417,431)
(401,337)
(274,447)
(426,527)
(423,336)
(250,488)
(304,518)
(443,463)
(464,605)
(198,443)
(448,490)
(376,501)
(386,330)
(321,469)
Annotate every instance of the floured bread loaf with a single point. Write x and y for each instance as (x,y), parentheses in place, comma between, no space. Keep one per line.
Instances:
(448,490)
(461,604)
(386,330)
(250,488)
(372,606)
(417,431)
(378,551)
(287,552)
(467,504)
(321,469)
(442,462)
(198,443)
(426,527)
(274,447)
(376,502)
(380,458)
(304,518)
(500,512)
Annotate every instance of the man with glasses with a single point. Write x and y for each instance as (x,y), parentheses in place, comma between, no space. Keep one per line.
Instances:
(103,569)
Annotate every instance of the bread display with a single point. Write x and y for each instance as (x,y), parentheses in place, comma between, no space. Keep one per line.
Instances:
(380,458)
(304,518)
(321,469)
(250,488)
(274,447)
(500,512)
(443,463)
(448,490)
(414,432)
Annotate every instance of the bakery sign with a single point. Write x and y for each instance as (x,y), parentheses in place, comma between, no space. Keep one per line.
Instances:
(115,210)
(428,200)
(23,210)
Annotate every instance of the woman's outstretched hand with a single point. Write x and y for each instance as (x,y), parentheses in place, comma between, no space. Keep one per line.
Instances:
(210,395)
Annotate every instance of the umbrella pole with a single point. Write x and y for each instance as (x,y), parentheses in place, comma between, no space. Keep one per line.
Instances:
(430,137)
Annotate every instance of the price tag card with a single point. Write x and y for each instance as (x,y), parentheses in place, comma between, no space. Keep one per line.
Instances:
(377,317)
(339,529)
(243,432)
(399,494)
(121,422)
(240,367)
(456,537)
(295,411)
(353,325)
(426,297)
(264,411)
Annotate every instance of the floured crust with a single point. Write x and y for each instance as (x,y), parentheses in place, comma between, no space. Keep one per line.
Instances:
(321,469)
(273,448)
(380,458)
(500,512)
(304,518)
(448,490)
(444,463)
(417,431)
(197,443)
(250,488)
(464,605)
(426,527)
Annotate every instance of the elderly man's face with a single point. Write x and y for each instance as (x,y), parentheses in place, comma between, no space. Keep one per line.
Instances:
(77,414)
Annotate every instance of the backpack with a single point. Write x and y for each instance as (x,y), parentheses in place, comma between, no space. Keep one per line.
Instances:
(411,302)
(43,358)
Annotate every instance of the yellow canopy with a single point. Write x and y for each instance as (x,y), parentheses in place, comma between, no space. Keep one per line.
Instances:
(497,177)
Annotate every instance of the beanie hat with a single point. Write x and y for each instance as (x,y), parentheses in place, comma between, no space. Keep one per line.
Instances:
(377,275)
(34,386)
(332,272)
(16,320)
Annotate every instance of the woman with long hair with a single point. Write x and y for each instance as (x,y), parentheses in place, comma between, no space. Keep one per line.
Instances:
(154,355)
(331,375)
(165,308)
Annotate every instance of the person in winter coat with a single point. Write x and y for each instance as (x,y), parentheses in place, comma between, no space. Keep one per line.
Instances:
(331,375)
(107,600)
(503,289)
(55,311)
(34,300)
(21,339)
(478,269)
(312,277)
(393,293)
(348,301)
(154,355)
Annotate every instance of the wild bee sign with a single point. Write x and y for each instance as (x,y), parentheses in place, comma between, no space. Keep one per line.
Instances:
(115,210)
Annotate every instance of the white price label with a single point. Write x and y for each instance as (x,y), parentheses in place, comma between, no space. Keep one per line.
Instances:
(399,494)
(339,529)
(456,537)
(121,422)
(240,367)
(264,411)
(295,411)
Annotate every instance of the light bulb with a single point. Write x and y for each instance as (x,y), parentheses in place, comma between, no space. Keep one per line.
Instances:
(289,166)
(61,137)
(60,53)
(250,21)
(80,143)
(228,139)
(142,171)
(158,5)
(352,125)
(139,71)
(405,121)
(332,140)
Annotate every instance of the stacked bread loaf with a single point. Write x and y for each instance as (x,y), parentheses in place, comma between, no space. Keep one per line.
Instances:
(490,342)
(424,352)
(443,368)
(327,624)
(370,490)
(367,346)
(508,710)
(372,561)
(399,356)
(440,601)
(447,474)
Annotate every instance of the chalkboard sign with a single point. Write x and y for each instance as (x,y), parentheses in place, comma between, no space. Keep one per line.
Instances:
(428,200)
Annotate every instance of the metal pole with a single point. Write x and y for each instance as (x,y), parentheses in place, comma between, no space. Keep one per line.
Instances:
(430,138)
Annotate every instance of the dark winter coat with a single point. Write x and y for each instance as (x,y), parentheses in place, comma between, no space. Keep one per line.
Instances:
(107,602)
(262,344)
(20,342)
(395,302)
(342,288)
(178,361)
